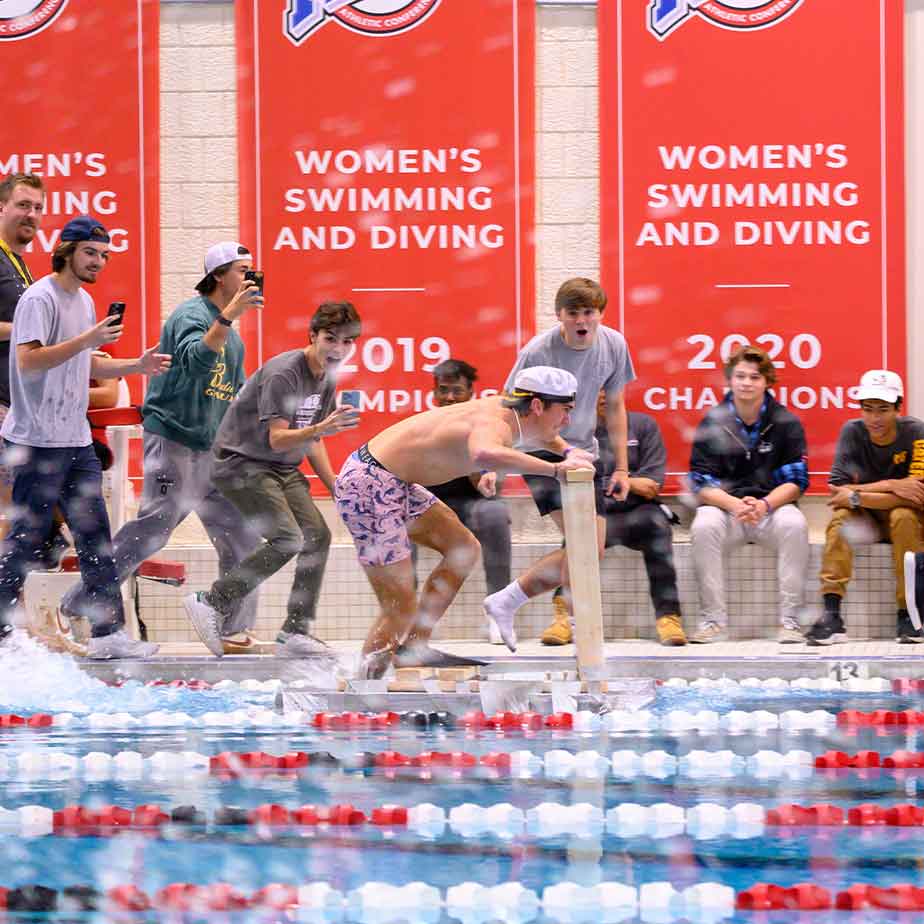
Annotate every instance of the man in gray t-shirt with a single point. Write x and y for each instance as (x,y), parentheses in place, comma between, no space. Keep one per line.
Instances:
(47,437)
(278,418)
(599,359)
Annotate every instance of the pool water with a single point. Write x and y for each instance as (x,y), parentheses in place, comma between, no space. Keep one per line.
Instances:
(250,857)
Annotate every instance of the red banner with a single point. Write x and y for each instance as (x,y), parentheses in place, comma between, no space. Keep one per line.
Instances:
(386,158)
(80,109)
(752,191)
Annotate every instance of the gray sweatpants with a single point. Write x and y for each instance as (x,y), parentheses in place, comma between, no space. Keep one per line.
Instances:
(178,481)
(714,532)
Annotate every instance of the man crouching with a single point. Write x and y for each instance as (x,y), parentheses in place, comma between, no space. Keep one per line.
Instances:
(381,497)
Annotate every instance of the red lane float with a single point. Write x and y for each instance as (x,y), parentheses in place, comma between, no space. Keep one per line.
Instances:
(232,763)
(799,815)
(336,721)
(853,717)
(517,721)
(808,896)
(897,760)
(39,720)
(81,821)
(865,815)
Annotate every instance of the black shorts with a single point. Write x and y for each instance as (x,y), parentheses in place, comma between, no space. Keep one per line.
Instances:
(546,492)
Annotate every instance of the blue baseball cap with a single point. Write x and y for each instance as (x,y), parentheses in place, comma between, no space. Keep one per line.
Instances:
(84,228)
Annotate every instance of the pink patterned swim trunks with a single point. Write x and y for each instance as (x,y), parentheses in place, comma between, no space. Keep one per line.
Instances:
(376,507)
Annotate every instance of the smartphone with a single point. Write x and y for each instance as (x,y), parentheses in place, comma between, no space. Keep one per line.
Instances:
(350,399)
(116,310)
(255,276)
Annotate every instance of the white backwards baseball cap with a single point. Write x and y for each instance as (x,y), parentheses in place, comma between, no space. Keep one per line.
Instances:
(547,382)
(222,253)
(880,385)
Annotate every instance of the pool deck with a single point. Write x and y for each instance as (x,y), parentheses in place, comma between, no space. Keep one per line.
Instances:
(625,659)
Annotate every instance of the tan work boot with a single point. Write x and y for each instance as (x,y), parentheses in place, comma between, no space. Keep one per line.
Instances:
(670,630)
(559,633)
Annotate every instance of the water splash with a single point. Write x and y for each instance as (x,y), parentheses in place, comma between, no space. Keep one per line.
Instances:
(38,680)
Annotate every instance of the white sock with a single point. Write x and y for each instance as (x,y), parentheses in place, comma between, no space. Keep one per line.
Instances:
(502,607)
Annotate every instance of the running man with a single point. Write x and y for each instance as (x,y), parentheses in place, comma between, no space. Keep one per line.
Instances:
(382,500)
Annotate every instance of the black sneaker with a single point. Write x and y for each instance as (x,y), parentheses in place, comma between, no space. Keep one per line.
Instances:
(827,630)
(905,632)
(6,632)
(914,587)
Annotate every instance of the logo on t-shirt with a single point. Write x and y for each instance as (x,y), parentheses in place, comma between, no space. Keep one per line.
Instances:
(219,387)
(308,411)
(916,469)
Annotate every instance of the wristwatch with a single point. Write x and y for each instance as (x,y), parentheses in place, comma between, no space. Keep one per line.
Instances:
(854,500)
(223,321)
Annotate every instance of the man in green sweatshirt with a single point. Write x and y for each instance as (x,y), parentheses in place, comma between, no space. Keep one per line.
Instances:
(182,411)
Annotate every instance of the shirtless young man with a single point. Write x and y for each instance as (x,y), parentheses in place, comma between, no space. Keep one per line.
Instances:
(382,501)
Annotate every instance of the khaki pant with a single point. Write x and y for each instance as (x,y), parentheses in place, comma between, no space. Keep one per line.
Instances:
(902,526)
(714,532)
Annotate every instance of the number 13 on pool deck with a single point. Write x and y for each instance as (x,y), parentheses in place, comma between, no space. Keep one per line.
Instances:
(848,670)
(803,350)
(379,354)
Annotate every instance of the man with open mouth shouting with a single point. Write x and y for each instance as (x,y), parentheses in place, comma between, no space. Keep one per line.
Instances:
(599,359)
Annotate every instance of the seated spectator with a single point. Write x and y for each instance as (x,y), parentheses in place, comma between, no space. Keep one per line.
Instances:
(474,498)
(876,493)
(747,469)
(640,522)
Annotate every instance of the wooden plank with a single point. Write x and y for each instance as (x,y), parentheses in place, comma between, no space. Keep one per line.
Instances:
(580,517)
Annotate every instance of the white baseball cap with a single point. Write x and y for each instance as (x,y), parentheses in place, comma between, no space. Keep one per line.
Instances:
(880,385)
(545,382)
(222,253)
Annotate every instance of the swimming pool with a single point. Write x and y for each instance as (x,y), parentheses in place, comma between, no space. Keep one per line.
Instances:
(634,845)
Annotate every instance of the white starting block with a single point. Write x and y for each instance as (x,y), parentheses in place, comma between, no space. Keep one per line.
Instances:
(580,516)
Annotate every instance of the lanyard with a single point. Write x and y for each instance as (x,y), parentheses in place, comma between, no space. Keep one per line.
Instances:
(17,262)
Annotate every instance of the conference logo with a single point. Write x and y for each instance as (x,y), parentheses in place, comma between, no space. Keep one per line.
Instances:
(21,19)
(366,17)
(664,16)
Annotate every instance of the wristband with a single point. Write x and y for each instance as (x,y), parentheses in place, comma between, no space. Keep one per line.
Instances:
(767,505)
(223,321)
(565,453)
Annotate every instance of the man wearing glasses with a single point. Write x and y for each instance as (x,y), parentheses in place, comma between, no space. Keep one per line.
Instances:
(876,493)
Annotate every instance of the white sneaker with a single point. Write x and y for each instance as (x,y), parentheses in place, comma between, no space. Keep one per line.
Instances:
(206,621)
(790,635)
(502,620)
(119,645)
(291,645)
(709,632)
